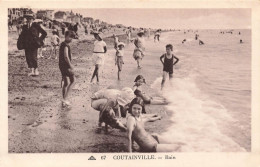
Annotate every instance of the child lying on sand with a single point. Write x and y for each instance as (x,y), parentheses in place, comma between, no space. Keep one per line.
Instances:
(139,80)
(137,133)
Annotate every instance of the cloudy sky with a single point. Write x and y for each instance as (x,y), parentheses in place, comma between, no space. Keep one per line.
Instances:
(173,18)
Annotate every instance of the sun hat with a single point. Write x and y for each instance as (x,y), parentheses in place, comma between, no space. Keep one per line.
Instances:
(126,96)
(139,77)
(121,43)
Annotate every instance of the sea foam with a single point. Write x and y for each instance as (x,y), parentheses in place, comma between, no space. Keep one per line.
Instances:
(197,120)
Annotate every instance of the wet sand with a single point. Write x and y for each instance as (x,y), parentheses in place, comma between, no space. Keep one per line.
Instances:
(38,124)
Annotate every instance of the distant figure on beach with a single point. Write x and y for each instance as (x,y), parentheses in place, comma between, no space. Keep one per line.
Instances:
(75,28)
(86,29)
(128,34)
(111,104)
(241,41)
(239,33)
(149,33)
(196,36)
(201,42)
(184,40)
(116,41)
(100,48)
(139,48)
(119,58)
(139,81)
(168,60)
(39,54)
(157,36)
(136,131)
(63,26)
(55,42)
(31,41)
(66,67)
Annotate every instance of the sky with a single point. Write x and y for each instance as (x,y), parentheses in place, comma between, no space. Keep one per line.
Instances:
(225,18)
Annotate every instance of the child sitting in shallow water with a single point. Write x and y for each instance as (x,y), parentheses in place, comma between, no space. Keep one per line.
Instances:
(139,81)
(136,132)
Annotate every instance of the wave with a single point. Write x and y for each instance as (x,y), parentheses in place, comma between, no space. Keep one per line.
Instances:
(198,121)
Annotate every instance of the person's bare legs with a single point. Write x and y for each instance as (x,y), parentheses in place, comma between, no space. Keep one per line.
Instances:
(72,83)
(170,79)
(52,51)
(138,60)
(64,87)
(163,79)
(97,73)
(55,52)
(166,145)
(94,73)
(118,75)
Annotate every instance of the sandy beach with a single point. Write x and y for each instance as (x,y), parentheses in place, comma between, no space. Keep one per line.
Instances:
(202,104)
(36,120)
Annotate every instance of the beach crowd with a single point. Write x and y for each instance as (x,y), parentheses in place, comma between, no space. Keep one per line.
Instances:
(113,104)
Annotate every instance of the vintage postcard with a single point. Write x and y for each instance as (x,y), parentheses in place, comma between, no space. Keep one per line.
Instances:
(158,83)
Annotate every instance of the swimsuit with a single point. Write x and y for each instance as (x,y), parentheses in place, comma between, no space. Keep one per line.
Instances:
(168,64)
(63,65)
(146,142)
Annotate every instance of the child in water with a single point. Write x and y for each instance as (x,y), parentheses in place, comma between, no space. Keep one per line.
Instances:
(139,81)
(168,61)
(139,49)
(136,131)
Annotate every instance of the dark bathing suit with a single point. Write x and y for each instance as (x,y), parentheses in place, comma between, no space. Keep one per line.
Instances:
(63,65)
(168,64)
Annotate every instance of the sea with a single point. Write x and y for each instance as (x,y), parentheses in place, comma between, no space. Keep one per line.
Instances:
(210,93)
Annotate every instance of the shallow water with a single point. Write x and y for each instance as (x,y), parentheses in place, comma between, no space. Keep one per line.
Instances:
(211,91)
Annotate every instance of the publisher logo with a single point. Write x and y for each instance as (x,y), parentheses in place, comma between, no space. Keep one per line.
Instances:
(92,158)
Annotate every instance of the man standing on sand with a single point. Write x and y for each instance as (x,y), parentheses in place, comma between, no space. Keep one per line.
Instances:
(32,41)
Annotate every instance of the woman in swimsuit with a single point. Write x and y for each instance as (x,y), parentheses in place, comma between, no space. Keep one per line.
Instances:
(137,133)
